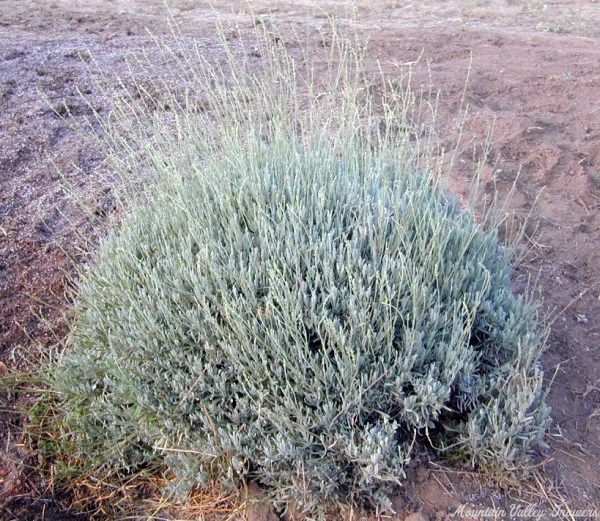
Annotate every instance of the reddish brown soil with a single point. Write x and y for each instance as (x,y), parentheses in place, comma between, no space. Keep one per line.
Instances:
(535,71)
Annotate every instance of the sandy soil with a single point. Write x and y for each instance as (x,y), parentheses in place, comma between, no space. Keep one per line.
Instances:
(534,70)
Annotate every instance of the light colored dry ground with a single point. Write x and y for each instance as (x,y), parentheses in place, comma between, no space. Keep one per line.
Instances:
(534,69)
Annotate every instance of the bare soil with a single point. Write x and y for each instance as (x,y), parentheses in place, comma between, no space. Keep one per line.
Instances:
(534,71)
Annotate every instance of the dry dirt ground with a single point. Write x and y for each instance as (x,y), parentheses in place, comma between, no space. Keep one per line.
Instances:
(534,70)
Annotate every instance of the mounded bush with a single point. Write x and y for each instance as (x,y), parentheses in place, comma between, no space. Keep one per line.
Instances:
(303,313)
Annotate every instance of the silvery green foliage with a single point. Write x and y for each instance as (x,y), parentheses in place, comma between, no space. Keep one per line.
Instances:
(299,321)
(299,311)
